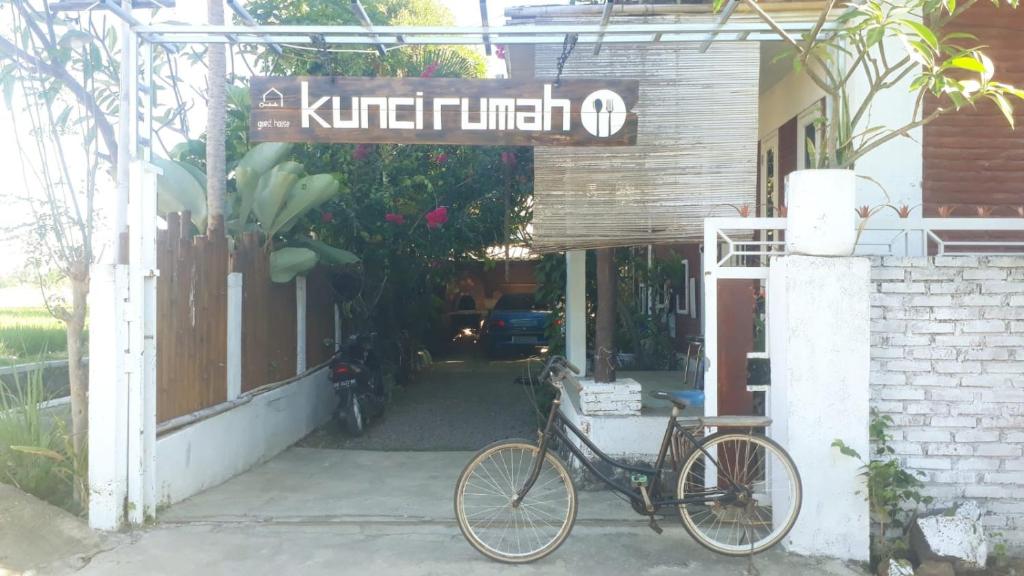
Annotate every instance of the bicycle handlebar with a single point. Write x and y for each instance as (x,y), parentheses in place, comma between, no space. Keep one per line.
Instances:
(570,366)
(559,361)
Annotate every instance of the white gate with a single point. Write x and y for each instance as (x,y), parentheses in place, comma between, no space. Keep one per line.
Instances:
(736,249)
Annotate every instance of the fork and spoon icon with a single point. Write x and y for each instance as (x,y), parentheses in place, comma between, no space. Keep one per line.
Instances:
(604,111)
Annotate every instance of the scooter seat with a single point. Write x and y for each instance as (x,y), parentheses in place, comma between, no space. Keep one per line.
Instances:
(682,399)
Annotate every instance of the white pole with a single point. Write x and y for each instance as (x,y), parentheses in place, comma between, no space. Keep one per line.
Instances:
(710,319)
(107,438)
(576,307)
(108,333)
(300,324)
(337,328)
(710,300)
(234,345)
(135,366)
(149,273)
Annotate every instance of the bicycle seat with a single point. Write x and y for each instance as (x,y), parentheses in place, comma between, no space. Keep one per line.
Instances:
(681,398)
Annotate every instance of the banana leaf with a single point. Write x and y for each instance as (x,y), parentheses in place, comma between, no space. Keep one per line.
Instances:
(329,254)
(305,195)
(287,263)
(194,170)
(256,162)
(272,191)
(178,190)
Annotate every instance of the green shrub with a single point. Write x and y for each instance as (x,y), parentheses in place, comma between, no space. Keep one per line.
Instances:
(36,452)
(894,494)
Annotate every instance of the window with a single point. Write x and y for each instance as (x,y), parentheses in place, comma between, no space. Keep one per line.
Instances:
(810,145)
(683,292)
(807,135)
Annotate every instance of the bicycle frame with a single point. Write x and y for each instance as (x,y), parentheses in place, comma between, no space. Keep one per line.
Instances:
(675,434)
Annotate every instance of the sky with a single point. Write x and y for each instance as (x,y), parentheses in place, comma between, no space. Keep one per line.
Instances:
(466,12)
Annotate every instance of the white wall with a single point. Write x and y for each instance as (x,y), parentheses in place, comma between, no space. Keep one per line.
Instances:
(213,450)
(820,366)
(895,167)
(633,437)
(786,99)
(947,337)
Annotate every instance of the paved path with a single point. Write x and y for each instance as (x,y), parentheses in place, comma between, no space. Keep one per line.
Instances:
(310,512)
(463,403)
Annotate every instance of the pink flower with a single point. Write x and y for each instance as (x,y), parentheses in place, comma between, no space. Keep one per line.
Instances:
(394,218)
(362,152)
(437,217)
(429,71)
(327,217)
(440,159)
(508,159)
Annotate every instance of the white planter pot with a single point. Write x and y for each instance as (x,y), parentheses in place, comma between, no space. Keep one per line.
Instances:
(821,217)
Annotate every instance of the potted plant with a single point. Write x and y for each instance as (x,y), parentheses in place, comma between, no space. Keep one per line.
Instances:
(867,48)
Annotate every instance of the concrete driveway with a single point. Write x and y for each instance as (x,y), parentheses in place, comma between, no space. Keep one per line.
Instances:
(462,402)
(311,512)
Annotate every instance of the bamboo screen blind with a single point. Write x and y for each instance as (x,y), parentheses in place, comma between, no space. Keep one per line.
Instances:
(696,150)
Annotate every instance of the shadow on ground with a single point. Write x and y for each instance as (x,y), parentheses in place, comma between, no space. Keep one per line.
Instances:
(462,402)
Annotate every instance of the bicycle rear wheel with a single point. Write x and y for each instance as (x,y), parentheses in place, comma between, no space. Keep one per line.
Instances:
(752,490)
(515,534)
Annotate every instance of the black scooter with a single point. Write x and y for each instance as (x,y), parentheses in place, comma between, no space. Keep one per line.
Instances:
(359,383)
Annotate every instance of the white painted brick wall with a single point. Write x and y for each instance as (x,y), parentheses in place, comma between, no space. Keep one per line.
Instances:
(947,351)
(620,398)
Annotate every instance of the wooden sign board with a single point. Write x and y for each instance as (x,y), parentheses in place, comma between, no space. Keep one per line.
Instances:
(443,111)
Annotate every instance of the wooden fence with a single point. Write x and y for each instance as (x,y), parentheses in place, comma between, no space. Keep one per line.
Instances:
(192,330)
(319,317)
(268,318)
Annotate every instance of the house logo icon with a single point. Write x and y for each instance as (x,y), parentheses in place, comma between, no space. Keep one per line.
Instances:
(272,99)
(603,113)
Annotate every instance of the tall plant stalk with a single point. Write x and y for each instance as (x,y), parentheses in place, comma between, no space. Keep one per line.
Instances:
(216,173)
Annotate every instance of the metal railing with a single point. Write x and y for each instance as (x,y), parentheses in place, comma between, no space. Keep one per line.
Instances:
(742,249)
(743,243)
(946,236)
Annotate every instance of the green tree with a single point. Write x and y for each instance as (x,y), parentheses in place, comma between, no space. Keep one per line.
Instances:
(382,214)
(364,60)
(59,75)
(876,45)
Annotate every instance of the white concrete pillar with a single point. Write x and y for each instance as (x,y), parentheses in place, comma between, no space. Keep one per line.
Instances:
(820,361)
(576,307)
(149,274)
(337,328)
(234,344)
(709,320)
(140,364)
(300,324)
(108,398)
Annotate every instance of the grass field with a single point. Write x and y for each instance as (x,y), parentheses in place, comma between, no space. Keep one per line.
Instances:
(28,334)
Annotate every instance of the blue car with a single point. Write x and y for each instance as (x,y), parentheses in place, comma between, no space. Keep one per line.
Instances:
(516,324)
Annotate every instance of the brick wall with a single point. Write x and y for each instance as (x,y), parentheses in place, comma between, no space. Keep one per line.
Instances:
(622,398)
(947,363)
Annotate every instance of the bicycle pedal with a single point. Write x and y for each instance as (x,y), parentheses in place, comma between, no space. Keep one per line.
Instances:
(653,525)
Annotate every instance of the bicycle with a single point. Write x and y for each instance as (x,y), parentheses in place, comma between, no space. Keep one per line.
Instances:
(737,492)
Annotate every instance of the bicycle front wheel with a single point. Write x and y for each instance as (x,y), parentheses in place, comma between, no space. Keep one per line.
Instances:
(507,533)
(750,491)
